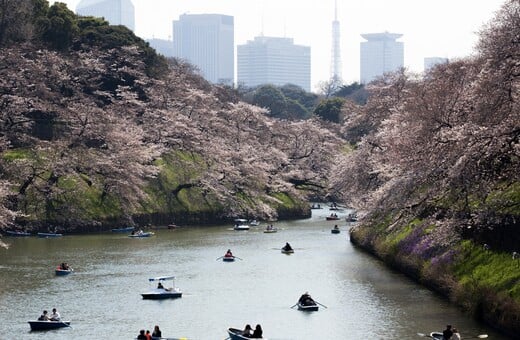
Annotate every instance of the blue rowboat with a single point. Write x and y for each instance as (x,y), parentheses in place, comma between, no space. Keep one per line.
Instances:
(45,235)
(236,334)
(63,272)
(46,325)
(142,234)
(17,233)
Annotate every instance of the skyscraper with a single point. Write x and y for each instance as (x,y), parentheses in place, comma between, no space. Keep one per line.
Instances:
(276,61)
(335,63)
(207,41)
(381,53)
(116,12)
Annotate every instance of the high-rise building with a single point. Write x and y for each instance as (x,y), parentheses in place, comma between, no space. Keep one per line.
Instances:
(207,41)
(381,53)
(335,63)
(162,46)
(276,61)
(430,62)
(116,12)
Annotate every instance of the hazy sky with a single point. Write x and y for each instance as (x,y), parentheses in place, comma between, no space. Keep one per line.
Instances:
(441,28)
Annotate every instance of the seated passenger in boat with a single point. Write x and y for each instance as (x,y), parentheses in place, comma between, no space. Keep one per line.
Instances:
(287,246)
(160,286)
(229,253)
(44,316)
(55,316)
(248,331)
(257,334)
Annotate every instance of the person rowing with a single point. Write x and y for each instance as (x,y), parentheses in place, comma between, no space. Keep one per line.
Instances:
(306,300)
(287,247)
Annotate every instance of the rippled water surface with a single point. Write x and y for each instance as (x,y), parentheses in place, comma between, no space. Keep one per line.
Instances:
(364,299)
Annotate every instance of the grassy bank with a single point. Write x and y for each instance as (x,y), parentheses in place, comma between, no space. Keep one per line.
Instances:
(485,283)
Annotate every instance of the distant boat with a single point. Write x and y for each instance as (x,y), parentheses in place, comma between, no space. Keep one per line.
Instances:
(313,307)
(17,233)
(254,223)
(141,233)
(241,224)
(63,272)
(228,258)
(352,217)
(46,325)
(335,230)
(236,334)
(47,235)
(162,292)
(332,218)
(122,230)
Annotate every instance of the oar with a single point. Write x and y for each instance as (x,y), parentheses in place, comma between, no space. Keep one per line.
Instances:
(320,304)
(296,304)
(424,335)
(238,258)
(480,336)
(218,258)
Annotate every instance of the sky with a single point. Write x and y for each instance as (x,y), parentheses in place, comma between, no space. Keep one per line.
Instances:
(441,28)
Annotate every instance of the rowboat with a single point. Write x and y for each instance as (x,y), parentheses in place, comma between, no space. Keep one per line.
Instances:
(17,233)
(287,251)
(228,258)
(436,335)
(308,307)
(352,217)
(332,218)
(45,325)
(63,272)
(122,230)
(162,292)
(254,223)
(241,224)
(270,231)
(236,334)
(47,235)
(335,231)
(141,233)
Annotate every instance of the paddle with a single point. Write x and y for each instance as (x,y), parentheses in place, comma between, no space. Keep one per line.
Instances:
(480,336)
(238,258)
(320,304)
(296,304)
(218,258)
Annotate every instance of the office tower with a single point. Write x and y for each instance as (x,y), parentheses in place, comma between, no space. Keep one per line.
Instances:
(335,64)
(381,53)
(116,12)
(207,41)
(276,61)
(162,46)
(430,62)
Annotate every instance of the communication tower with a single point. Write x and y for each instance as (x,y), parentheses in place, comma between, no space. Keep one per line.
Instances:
(335,65)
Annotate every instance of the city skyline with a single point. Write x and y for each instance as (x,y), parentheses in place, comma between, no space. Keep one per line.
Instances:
(441,29)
